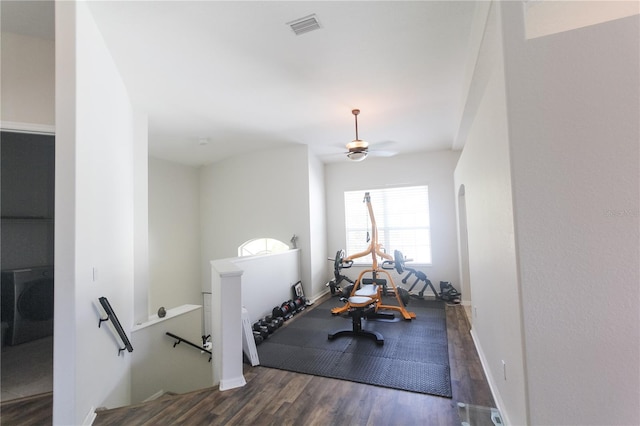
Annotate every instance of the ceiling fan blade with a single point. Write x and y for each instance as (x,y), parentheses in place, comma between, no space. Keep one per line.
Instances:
(383,145)
(382,153)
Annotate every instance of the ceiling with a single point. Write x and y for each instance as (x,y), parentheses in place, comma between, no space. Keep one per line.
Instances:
(219,78)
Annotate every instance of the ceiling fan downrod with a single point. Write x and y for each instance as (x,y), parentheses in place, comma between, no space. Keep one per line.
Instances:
(357,149)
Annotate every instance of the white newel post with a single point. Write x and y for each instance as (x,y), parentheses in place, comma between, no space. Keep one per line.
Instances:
(226,325)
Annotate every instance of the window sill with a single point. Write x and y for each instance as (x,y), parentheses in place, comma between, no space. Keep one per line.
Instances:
(407,265)
(171,313)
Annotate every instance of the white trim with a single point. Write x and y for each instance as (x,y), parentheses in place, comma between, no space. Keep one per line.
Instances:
(492,386)
(318,297)
(90,417)
(171,313)
(13,126)
(154,396)
(232,383)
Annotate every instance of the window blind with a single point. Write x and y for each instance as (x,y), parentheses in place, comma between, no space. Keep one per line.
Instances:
(402,218)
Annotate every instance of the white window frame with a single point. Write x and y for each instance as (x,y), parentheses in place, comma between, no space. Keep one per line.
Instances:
(260,246)
(392,207)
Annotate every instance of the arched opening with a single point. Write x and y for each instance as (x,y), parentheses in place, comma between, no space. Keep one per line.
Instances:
(258,246)
(464,251)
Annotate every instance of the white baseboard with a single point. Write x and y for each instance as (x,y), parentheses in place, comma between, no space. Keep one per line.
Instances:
(13,126)
(492,386)
(90,417)
(320,296)
(154,396)
(236,382)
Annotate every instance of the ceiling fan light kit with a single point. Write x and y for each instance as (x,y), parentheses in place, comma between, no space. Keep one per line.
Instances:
(357,155)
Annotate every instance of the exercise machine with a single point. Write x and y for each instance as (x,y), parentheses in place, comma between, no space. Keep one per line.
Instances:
(420,276)
(373,287)
(338,264)
(448,292)
(365,298)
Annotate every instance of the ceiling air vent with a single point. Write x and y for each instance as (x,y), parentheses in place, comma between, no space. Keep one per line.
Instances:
(304,25)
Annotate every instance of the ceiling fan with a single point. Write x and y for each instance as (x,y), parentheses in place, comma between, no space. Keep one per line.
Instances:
(357,149)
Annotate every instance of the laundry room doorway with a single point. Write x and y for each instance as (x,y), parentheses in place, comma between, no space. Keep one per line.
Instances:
(27,204)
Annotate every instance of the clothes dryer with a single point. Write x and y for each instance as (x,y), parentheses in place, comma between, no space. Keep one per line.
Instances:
(27,303)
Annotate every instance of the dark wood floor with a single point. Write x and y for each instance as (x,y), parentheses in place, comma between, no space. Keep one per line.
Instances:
(274,397)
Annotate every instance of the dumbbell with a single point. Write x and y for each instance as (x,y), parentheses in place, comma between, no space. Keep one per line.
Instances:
(270,327)
(264,331)
(276,312)
(257,337)
(287,310)
(300,303)
(292,306)
(274,323)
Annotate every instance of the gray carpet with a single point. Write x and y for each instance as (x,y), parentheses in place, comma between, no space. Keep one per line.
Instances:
(414,356)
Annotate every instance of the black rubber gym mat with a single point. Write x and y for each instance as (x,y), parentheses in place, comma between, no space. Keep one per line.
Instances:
(414,356)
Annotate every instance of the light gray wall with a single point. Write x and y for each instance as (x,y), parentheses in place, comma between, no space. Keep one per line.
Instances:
(159,366)
(317,224)
(174,235)
(174,221)
(433,169)
(141,218)
(94,219)
(550,170)
(267,281)
(260,194)
(573,103)
(28,85)
(484,170)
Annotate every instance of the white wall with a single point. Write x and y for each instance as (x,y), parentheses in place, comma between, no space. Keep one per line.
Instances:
(157,366)
(141,218)
(317,224)
(550,171)
(174,235)
(259,194)
(484,170)
(94,219)
(28,83)
(267,281)
(549,17)
(434,169)
(573,105)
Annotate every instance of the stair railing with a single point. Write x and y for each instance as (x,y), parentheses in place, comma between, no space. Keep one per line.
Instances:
(180,339)
(111,315)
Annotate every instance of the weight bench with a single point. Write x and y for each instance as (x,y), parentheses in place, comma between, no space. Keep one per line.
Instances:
(359,307)
(374,290)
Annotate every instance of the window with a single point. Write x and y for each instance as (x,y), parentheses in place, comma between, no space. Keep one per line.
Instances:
(261,246)
(402,219)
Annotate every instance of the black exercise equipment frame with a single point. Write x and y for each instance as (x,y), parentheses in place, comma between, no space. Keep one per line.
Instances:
(357,314)
(338,265)
(420,276)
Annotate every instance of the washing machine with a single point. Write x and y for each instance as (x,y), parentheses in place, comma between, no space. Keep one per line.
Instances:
(27,303)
